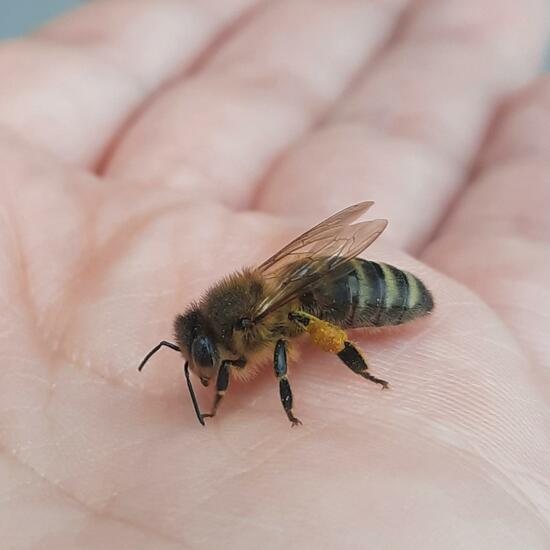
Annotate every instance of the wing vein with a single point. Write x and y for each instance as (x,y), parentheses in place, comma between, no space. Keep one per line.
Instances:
(325,249)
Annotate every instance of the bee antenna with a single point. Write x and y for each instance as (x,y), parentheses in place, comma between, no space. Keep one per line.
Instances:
(192,394)
(155,349)
(186,370)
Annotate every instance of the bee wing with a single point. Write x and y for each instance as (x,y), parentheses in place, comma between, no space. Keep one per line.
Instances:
(324,249)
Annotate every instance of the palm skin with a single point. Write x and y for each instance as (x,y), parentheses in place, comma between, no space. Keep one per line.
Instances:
(149,148)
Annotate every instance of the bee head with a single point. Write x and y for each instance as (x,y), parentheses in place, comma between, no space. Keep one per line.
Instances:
(197,345)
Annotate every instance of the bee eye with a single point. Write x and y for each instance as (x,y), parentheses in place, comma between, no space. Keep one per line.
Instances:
(203,352)
(243,324)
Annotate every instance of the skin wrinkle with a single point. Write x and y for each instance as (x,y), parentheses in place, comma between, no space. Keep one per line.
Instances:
(96,511)
(102,251)
(100,260)
(193,170)
(278,450)
(472,283)
(125,127)
(242,474)
(85,507)
(487,468)
(495,465)
(51,358)
(492,225)
(278,147)
(355,126)
(311,88)
(133,73)
(129,87)
(523,498)
(95,263)
(301,89)
(208,495)
(532,358)
(526,355)
(25,293)
(466,456)
(426,145)
(93,52)
(246,18)
(490,165)
(356,112)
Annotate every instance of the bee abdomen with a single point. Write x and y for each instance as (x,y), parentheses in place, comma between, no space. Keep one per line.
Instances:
(391,296)
(371,294)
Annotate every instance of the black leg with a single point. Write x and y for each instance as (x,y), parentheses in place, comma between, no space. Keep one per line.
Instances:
(222,382)
(333,339)
(155,349)
(280,367)
(355,360)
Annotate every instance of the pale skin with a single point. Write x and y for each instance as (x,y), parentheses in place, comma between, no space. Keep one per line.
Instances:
(149,147)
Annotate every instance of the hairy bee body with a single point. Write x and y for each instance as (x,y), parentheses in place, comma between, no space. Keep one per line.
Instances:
(364,295)
(220,313)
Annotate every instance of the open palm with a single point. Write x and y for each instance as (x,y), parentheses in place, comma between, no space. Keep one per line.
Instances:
(149,148)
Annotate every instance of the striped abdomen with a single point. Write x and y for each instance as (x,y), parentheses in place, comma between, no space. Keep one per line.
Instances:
(370,294)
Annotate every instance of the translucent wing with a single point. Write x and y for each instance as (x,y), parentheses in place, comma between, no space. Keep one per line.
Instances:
(324,249)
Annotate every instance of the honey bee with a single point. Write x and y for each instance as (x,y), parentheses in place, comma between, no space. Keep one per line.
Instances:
(315,285)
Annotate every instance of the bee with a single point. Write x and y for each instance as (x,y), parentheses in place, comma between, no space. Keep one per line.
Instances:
(315,286)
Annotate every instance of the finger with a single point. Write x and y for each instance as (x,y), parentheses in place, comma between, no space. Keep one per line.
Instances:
(498,239)
(406,134)
(69,87)
(216,133)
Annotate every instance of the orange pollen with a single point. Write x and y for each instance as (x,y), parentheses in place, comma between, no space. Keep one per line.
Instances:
(326,336)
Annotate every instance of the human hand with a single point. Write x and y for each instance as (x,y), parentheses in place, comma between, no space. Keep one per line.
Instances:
(148,148)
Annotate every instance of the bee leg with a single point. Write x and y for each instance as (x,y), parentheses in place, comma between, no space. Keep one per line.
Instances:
(355,360)
(221,387)
(333,339)
(222,382)
(280,367)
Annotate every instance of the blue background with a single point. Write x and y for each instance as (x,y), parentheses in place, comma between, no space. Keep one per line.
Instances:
(19,16)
